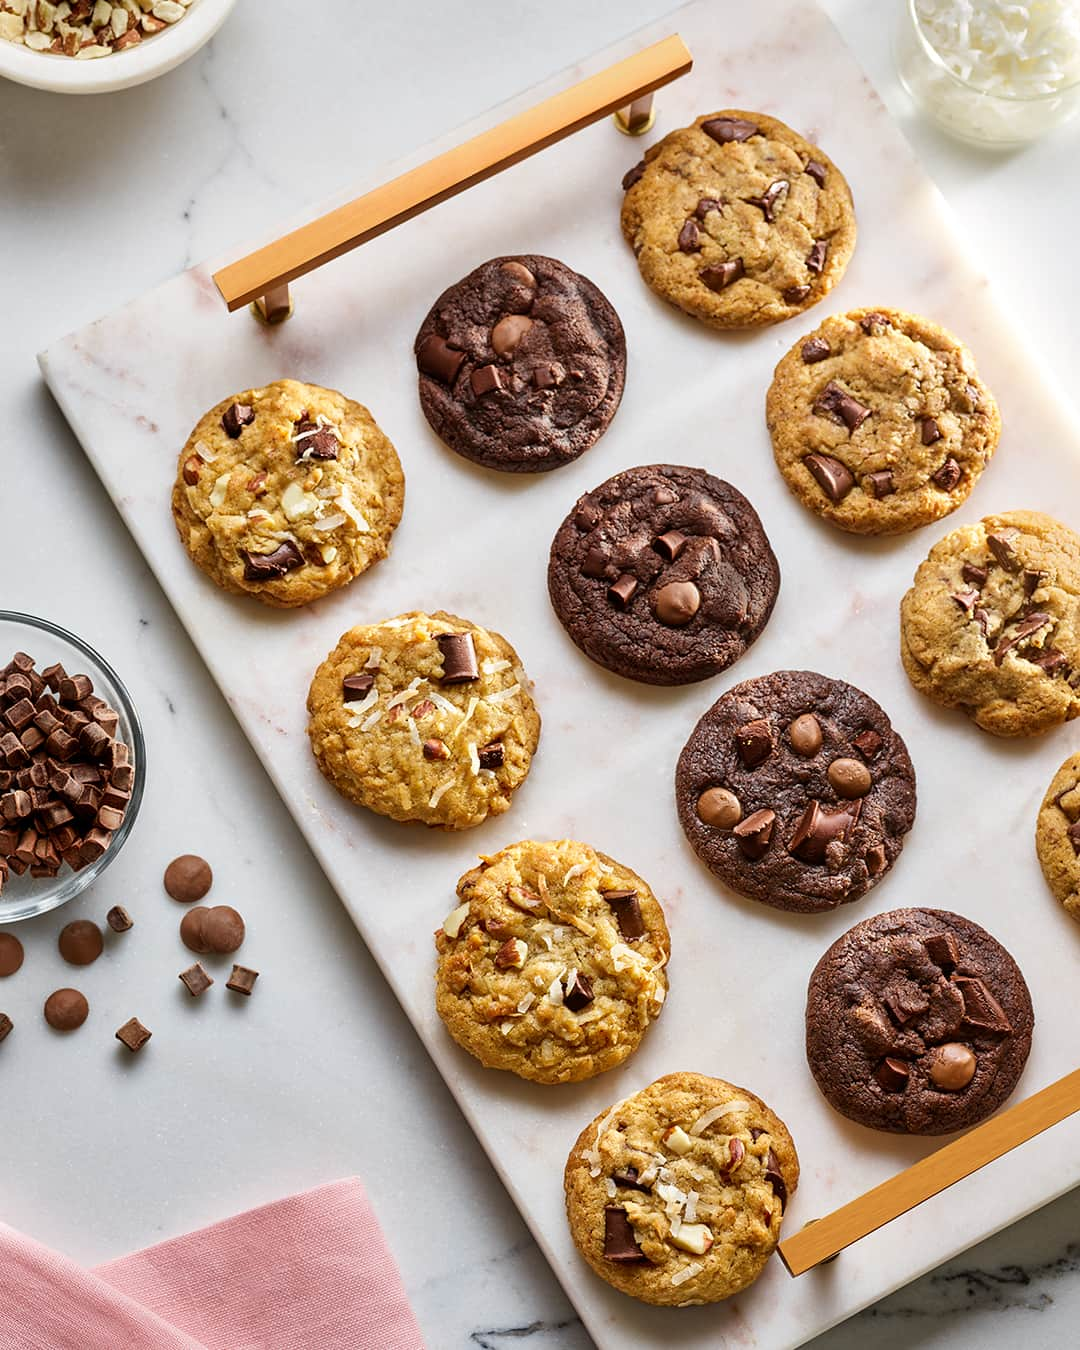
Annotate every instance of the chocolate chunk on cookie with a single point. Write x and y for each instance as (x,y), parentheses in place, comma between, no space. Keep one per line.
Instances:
(795,790)
(879,421)
(1057,836)
(521,364)
(663,574)
(738,220)
(917,1021)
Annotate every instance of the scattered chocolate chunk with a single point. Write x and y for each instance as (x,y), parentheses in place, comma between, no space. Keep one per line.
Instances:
(596,563)
(1001,548)
(621,592)
(547,377)
(720,808)
(880,483)
(982,1011)
(804,733)
(269,566)
(676,603)
(754,742)
(795,295)
(242,980)
(967,600)
(834,478)
(836,403)
(188,878)
(815,349)
(437,358)
(486,380)
(770,199)
(720,276)
(947,476)
(236,417)
(491,755)
(620,1245)
(688,237)
(726,129)
(134,1035)
(627,910)
(312,441)
(868,743)
(119,920)
(905,1003)
(952,1066)
(66,1010)
(849,778)
(705,205)
(586,516)
(629,1177)
(355,687)
(892,1074)
(11,954)
(931,432)
(80,942)
(507,334)
(577,992)
(943,951)
(1050,660)
(775,1179)
(755,833)
(6,1025)
(435,749)
(634,175)
(973,575)
(459,658)
(670,545)
(819,826)
(195,980)
(816,171)
(1031,580)
(815,259)
(1026,628)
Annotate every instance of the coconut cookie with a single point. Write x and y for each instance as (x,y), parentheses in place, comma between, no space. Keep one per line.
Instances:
(287,492)
(552,966)
(676,1194)
(991,624)
(738,221)
(1057,836)
(879,421)
(424,717)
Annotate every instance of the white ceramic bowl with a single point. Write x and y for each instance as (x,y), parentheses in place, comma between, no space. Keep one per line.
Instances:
(121,70)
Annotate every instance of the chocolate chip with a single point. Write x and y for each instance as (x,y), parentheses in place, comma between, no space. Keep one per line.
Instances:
(634,175)
(6,1025)
(868,743)
(628,1177)
(1000,546)
(242,980)
(670,545)
(1031,581)
(795,295)
(982,1011)
(931,432)
(437,358)
(754,742)
(119,920)
(236,417)
(133,1034)
(948,475)
(721,275)
(816,171)
(837,404)
(873,323)
(875,859)
(80,942)
(967,600)
(312,441)
(849,778)
(486,380)
(904,1005)
(519,272)
(815,259)
(815,349)
(1025,628)
(627,910)
(577,992)
(11,954)
(755,833)
(268,566)
(677,603)
(1050,660)
(705,205)
(804,733)
(688,237)
(508,332)
(819,826)
(621,592)
(892,1074)
(355,687)
(769,200)
(188,878)
(586,516)
(834,478)
(491,755)
(880,483)
(195,980)
(547,377)
(726,129)
(1074,836)
(459,658)
(596,563)
(720,808)
(775,1179)
(620,1245)
(952,1066)
(66,1010)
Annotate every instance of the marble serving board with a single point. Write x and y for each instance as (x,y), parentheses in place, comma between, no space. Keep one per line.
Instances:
(475,543)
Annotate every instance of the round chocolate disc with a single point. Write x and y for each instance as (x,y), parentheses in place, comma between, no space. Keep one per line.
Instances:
(81,942)
(66,1009)
(191,930)
(11,954)
(223,929)
(188,878)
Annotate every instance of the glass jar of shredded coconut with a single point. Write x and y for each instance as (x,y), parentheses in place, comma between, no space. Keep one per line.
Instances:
(991,71)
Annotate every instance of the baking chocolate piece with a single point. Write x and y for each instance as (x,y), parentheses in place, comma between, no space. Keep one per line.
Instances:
(1031,581)
(486,380)
(815,259)
(755,833)
(621,591)
(982,1011)
(815,349)
(931,432)
(795,295)
(1001,548)
(507,333)
(119,920)
(875,858)
(767,202)
(892,1074)
(75,687)
(677,603)
(849,777)
(491,755)
(628,1177)
(242,980)
(223,930)
(973,575)
(670,545)
(634,175)
(726,129)
(868,743)
(804,733)
(133,1034)
(80,942)
(818,827)
(459,658)
(967,600)
(11,954)
(354,687)
(834,478)
(586,516)
(720,808)
(753,741)
(688,237)
(195,980)
(775,1179)
(1050,659)
(188,878)
(1026,628)
(952,1066)
(436,357)
(620,1245)
(6,1025)
(66,1010)
(191,930)
(236,417)
(816,171)
(269,566)
(836,403)
(719,276)
(313,441)
(705,205)
(905,1003)
(947,476)
(627,910)
(881,483)
(578,992)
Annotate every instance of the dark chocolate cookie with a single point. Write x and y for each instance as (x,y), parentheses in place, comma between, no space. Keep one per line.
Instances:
(521,364)
(663,574)
(796,791)
(917,1021)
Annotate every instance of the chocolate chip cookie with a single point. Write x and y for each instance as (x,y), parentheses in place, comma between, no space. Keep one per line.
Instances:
(287,492)
(738,221)
(795,790)
(917,1021)
(675,1195)
(424,717)
(552,964)
(663,574)
(521,364)
(1057,836)
(879,421)
(991,624)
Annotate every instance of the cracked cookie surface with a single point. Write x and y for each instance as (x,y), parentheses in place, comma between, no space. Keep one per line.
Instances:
(676,1194)
(917,1021)
(1057,836)
(738,221)
(424,717)
(795,790)
(552,964)
(991,624)
(287,492)
(663,574)
(521,364)
(879,421)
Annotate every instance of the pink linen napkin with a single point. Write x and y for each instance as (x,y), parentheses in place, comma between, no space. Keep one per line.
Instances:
(311,1272)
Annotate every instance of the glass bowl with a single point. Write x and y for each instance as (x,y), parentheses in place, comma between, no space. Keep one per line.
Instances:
(963,109)
(24,897)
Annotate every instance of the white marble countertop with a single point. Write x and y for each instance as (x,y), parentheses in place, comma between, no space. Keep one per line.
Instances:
(320,1075)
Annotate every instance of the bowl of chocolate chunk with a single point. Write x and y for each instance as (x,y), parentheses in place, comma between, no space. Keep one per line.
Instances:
(72,765)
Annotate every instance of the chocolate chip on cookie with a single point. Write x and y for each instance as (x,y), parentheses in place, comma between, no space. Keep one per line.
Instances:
(917,1021)
(1057,836)
(521,364)
(663,574)
(795,790)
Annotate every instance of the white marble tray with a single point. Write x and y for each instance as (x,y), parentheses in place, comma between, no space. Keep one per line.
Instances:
(133,384)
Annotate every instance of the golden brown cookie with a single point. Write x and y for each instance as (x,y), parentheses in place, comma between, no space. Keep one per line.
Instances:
(879,421)
(738,221)
(676,1194)
(424,717)
(287,492)
(552,965)
(1057,836)
(991,624)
